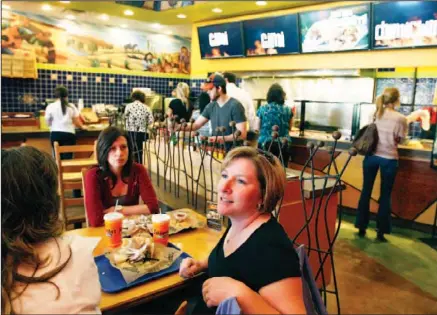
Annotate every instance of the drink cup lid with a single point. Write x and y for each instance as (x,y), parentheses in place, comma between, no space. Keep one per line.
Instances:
(113,216)
(161,217)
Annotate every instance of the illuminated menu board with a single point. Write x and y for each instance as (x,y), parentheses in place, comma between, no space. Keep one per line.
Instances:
(404,24)
(341,29)
(271,36)
(221,41)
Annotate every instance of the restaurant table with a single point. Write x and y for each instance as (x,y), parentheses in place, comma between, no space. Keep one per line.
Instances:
(198,243)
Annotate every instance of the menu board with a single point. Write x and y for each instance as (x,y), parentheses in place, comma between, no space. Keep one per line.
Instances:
(404,85)
(272,36)
(346,28)
(221,41)
(404,24)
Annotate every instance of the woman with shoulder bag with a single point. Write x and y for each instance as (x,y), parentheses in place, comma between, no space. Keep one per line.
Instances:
(392,129)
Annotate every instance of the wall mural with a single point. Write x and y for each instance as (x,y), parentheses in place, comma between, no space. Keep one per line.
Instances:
(83,44)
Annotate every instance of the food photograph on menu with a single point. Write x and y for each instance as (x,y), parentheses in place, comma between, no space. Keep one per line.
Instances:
(221,41)
(402,24)
(340,29)
(272,36)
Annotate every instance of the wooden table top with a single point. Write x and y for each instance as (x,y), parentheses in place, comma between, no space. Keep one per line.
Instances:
(197,243)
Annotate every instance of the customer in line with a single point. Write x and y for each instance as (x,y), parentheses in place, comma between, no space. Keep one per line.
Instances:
(271,114)
(117,180)
(242,96)
(42,272)
(138,118)
(182,94)
(254,261)
(62,118)
(221,111)
(392,129)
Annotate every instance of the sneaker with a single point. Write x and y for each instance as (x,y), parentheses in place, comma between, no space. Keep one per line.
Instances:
(362,232)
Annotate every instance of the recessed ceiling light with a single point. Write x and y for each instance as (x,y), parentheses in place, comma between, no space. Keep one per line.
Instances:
(128,12)
(5,7)
(104,17)
(261,3)
(123,25)
(46,7)
(169,33)
(181,16)
(66,2)
(217,10)
(70,17)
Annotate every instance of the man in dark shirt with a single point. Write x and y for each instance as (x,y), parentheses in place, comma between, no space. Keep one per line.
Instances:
(221,111)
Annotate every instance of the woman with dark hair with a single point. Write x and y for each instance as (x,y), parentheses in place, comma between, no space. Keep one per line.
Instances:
(271,114)
(117,180)
(42,272)
(177,108)
(138,118)
(62,117)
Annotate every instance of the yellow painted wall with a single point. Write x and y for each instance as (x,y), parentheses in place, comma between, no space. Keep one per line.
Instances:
(424,57)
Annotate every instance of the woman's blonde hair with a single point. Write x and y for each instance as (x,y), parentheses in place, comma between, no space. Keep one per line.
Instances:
(389,96)
(183,92)
(270,174)
(29,216)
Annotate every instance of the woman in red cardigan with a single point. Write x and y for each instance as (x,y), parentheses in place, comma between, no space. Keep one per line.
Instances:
(117,178)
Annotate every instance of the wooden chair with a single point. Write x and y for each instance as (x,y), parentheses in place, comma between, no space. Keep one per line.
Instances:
(70,177)
(84,170)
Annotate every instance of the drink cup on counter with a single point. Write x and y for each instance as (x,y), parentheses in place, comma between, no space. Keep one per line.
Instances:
(113,228)
(161,227)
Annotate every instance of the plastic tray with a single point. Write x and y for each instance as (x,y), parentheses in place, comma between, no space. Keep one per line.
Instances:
(112,281)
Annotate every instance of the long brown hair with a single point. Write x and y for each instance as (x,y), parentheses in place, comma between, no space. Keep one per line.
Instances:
(29,216)
(389,96)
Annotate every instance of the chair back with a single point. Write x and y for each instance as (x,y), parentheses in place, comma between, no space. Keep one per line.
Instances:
(70,177)
(311,295)
(84,171)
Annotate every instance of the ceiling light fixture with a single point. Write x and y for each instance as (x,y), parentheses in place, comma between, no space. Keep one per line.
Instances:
(217,10)
(70,17)
(261,3)
(46,7)
(129,12)
(157,26)
(6,7)
(104,17)
(181,16)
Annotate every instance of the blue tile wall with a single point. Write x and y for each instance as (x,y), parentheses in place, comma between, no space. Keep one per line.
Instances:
(91,91)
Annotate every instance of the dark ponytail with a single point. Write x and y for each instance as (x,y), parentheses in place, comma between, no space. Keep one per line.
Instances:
(61,92)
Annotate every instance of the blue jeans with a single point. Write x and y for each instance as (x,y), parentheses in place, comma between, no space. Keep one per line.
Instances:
(389,168)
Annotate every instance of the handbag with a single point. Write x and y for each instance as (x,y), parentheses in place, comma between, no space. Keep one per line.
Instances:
(366,140)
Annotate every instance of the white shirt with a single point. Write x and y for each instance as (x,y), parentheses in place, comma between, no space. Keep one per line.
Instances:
(138,115)
(246,100)
(57,120)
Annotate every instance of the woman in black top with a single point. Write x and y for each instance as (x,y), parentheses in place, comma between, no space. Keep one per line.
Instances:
(255,261)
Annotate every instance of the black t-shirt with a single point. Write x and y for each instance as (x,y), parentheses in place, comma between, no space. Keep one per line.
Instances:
(266,257)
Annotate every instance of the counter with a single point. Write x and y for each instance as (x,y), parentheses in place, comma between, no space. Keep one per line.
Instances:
(40,138)
(414,196)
